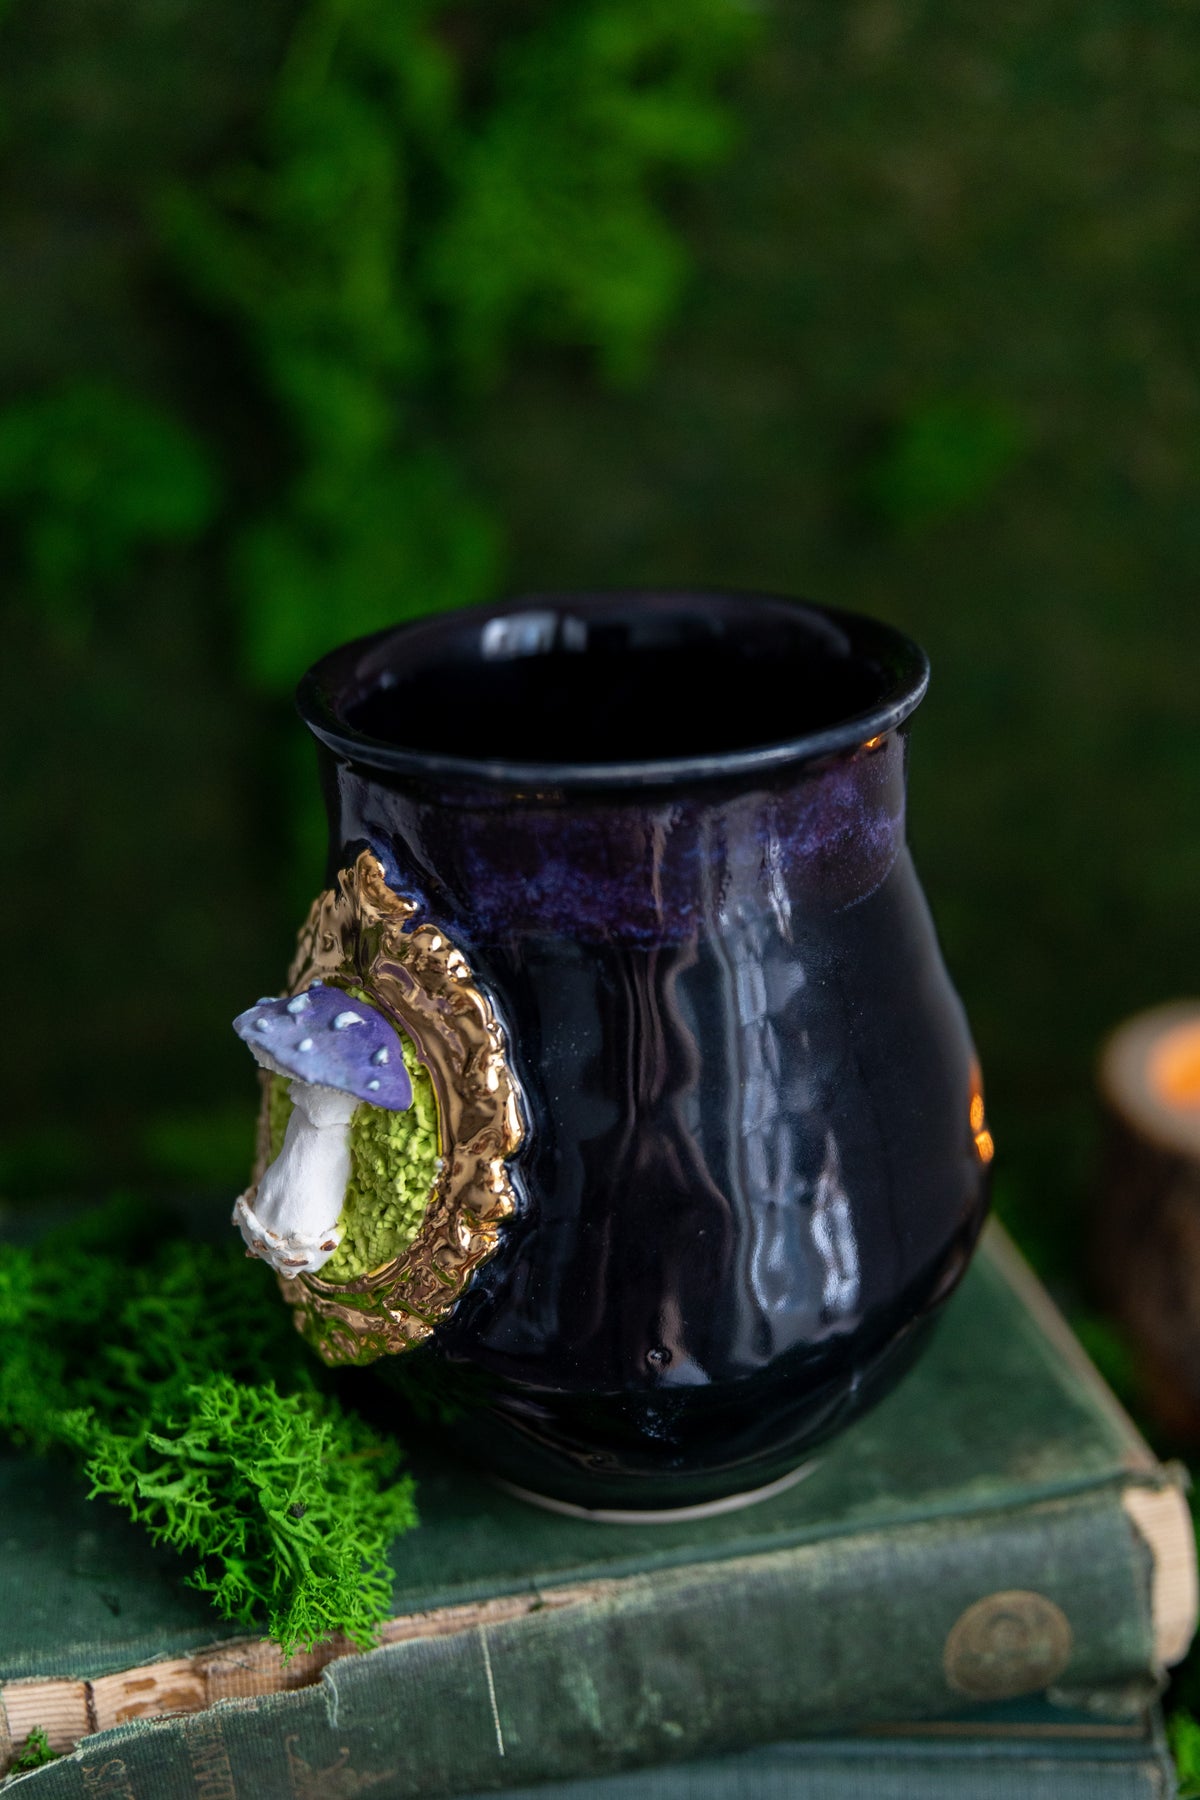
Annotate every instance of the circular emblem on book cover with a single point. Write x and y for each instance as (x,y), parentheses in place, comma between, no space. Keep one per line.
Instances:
(390,1112)
(1010,1643)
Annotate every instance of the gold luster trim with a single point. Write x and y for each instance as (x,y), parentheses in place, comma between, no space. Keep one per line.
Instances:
(361,934)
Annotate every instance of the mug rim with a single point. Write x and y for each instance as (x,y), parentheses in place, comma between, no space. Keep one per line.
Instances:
(328,679)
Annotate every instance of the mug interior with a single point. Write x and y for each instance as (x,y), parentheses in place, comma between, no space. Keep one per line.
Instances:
(584,684)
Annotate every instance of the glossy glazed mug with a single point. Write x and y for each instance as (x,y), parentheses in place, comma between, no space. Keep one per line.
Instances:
(664,834)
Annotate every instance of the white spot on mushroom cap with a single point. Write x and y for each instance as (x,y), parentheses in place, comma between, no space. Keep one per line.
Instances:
(316,1060)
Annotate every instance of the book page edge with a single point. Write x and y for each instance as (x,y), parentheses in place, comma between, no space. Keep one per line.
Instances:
(1163,1520)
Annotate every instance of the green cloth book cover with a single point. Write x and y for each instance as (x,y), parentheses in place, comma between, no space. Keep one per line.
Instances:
(995,1528)
(1010,1752)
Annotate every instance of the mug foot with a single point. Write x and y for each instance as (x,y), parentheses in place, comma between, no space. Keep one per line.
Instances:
(660,1515)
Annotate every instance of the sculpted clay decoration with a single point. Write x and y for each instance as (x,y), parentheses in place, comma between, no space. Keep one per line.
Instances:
(333,1058)
(389,1113)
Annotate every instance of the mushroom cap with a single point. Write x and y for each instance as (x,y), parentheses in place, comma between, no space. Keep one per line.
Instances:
(324,1037)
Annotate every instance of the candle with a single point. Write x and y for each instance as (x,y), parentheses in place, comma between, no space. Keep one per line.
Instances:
(1146,1259)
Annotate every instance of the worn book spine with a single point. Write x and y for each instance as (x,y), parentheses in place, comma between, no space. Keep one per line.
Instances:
(1076,1594)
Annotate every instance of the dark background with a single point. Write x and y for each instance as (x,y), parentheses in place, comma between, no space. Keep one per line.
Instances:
(316,316)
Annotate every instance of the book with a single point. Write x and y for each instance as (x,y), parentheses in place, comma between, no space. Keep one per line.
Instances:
(1007,1753)
(1003,1753)
(995,1527)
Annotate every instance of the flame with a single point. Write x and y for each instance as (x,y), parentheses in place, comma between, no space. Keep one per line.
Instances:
(1174,1070)
(985,1144)
(875,742)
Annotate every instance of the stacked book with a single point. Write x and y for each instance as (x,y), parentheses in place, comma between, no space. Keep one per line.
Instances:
(975,1590)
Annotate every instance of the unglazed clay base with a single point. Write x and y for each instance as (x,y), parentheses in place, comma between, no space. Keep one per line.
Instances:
(675,1515)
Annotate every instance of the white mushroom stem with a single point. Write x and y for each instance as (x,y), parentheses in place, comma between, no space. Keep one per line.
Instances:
(293,1223)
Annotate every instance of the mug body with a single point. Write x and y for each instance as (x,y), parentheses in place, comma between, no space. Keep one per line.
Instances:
(668,830)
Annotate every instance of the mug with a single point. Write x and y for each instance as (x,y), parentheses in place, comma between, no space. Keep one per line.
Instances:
(676,1143)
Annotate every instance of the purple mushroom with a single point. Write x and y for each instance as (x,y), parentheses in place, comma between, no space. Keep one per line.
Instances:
(335,1052)
(327,1039)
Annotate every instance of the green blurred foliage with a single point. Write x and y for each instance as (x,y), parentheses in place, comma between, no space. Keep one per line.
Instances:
(946,457)
(89,476)
(390,240)
(1183,1735)
(554,232)
(256,305)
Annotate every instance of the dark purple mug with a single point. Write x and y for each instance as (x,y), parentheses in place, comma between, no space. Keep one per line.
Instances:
(667,833)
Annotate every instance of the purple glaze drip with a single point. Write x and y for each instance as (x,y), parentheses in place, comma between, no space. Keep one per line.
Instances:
(636,869)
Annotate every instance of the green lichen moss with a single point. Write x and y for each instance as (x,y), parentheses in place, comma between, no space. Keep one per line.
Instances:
(164,1368)
(279,1111)
(393,1166)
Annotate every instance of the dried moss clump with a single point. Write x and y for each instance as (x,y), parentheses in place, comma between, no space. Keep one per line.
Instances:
(172,1375)
(34,1753)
